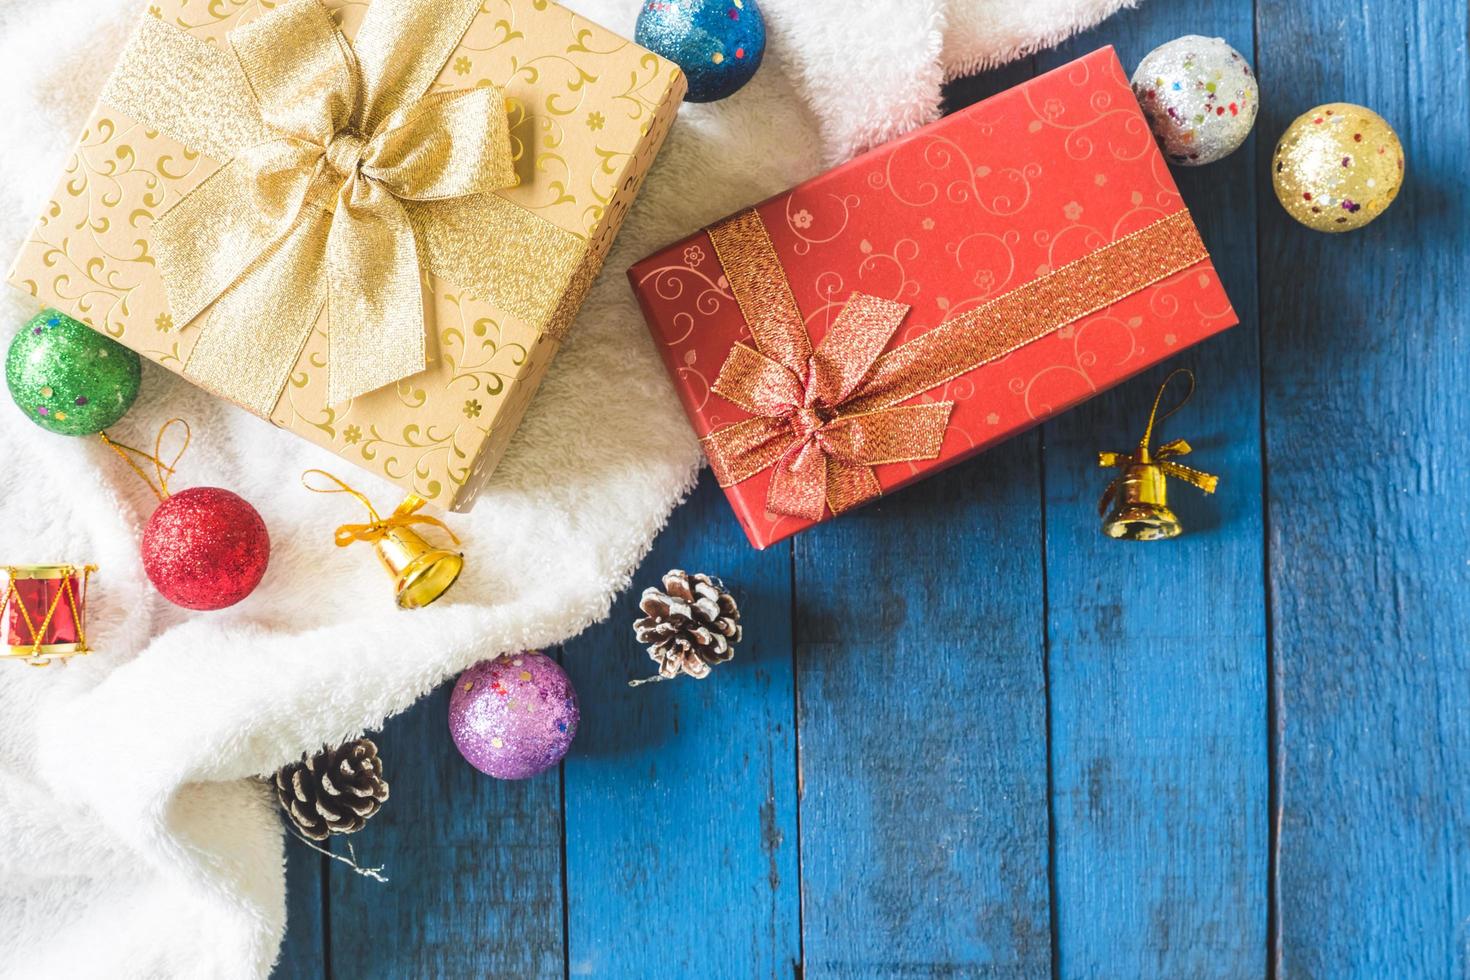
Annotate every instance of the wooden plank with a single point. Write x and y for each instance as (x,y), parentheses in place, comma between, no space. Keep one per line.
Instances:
(681,796)
(1158,650)
(474,867)
(923,724)
(923,720)
(1364,356)
(923,729)
(304,950)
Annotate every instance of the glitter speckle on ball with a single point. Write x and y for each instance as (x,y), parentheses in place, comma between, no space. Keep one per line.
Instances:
(718,43)
(1200,97)
(68,378)
(1337,167)
(514,716)
(205,548)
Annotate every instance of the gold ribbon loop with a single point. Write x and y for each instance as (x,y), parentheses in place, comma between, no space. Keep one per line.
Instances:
(405,515)
(823,418)
(892,435)
(401,47)
(301,70)
(446,145)
(846,356)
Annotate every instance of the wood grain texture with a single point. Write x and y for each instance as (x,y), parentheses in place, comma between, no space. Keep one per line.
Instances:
(1158,656)
(923,730)
(304,951)
(1364,339)
(681,795)
(474,867)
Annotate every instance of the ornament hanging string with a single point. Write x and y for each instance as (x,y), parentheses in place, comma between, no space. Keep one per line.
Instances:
(350,860)
(404,515)
(1154,418)
(161,469)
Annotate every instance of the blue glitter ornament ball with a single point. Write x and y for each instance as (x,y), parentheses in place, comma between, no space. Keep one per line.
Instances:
(718,43)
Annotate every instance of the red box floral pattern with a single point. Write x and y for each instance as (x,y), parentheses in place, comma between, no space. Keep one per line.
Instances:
(985,203)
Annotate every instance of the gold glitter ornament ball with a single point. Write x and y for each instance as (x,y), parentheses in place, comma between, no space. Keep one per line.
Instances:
(1337,167)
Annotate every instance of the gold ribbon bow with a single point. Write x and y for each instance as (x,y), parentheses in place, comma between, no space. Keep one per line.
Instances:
(822,418)
(405,514)
(345,181)
(1163,457)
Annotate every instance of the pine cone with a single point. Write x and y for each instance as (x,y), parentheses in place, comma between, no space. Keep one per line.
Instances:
(334,791)
(690,625)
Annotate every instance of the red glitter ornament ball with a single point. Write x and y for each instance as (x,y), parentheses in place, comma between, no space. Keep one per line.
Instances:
(205,548)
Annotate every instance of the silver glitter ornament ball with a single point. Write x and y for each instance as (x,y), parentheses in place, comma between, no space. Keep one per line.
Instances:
(1200,97)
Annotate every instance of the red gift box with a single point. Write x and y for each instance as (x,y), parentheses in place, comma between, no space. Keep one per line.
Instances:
(930,298)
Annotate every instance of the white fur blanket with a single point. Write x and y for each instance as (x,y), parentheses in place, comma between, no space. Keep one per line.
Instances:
(131,843)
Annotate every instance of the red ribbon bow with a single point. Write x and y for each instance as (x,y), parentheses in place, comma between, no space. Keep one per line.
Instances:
(820,452)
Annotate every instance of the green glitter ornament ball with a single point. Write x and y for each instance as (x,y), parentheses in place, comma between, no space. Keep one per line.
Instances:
(68,378)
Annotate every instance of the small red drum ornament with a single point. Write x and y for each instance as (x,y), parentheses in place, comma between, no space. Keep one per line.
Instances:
(45,609)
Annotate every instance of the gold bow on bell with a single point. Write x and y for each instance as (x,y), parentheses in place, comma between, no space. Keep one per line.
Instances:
(1140,484)
(405,514)
(421,572)
(332,204)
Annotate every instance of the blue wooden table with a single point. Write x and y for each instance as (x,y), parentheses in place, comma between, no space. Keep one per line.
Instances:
(967,735)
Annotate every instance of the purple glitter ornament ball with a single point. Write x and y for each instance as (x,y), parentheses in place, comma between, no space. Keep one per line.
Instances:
(514,716)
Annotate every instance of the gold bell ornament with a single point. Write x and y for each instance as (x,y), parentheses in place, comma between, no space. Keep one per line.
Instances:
(421,572)
(1135,505)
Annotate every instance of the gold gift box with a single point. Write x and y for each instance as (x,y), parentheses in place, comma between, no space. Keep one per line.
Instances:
(588,113)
